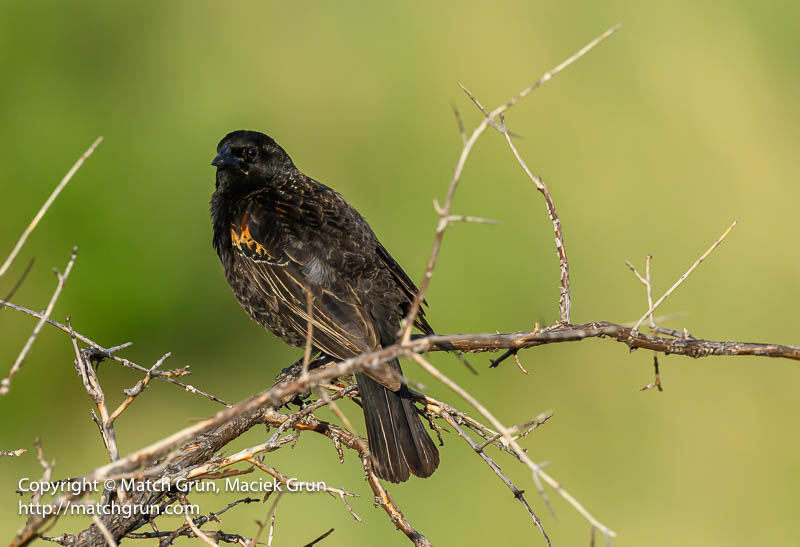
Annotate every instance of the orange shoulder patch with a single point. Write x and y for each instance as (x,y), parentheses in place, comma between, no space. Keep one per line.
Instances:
(244,243)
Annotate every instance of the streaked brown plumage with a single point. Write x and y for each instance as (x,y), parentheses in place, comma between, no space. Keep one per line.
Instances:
(279,232)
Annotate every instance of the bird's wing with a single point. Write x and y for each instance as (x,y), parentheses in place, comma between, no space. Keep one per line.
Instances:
(402,279)
(283,272)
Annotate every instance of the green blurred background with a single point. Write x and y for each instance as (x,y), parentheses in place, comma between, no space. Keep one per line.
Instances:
(684,120)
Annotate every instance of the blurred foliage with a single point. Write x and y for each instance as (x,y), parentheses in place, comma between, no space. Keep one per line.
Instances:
(684,120)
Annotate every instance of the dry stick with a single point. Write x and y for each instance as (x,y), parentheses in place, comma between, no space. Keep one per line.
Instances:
(92,385)
(185,531)
(460,123)
(309,330)
(465,151)
(271,529)
(536,470)
(262,524)
(284,480)
(519,494)
(108,353)
(688,272)
(531,425)
(197,531)
(336,410)
(487,433)
(136,390)
(62,278)
(519,365)
(46,476)
(21,279)
(657,382)
(649,285)
(320,538)
(47,205)
(244,455)
(47,468)
(564,300)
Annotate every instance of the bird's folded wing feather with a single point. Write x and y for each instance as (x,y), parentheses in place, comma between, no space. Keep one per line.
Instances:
(342,326)
(402,279)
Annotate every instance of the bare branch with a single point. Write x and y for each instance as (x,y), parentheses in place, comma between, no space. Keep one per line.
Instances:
(197,532)
(648,286)
(47,205)
(688,272)
(519,494)
(564,301)
(262,524)
(5,384)
(284,480)
(460,123)
(140,386)
(320,538)
(21,279)
(92,385)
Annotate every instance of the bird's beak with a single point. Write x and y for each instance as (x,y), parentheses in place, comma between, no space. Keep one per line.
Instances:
(225,159)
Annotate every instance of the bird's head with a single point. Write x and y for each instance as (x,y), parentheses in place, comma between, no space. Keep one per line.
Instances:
(249,158)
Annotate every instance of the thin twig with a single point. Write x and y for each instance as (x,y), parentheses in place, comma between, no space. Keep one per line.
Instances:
(284,480)
(682,278)
(460,122)
(309,330)
(21,279)
(92,385)
(657,382)
(5,384)
(564,301)
(649,285)
(526,428)
(519,494)
(197,532)
(320,538)
(140,386)
(262,524)
(47,205)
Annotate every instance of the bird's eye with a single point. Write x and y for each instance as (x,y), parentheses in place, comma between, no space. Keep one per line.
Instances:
(250,153)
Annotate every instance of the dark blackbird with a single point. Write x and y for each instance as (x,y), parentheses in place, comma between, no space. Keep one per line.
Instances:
(280,233)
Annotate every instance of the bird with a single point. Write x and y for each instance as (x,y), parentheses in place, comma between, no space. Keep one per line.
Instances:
(281,235)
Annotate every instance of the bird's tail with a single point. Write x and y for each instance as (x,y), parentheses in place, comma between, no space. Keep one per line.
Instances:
(398,442)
